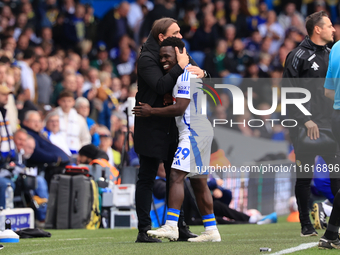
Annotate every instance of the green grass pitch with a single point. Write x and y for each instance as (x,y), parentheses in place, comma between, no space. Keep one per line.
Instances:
(236,239)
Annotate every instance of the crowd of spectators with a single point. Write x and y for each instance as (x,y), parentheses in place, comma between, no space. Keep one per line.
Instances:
(77,70)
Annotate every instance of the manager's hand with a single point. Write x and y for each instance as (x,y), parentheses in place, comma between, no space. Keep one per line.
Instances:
(312,130)
(182,58)
(196,70)
(144,110)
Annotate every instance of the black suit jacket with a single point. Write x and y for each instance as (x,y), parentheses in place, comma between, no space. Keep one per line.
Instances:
(152,135)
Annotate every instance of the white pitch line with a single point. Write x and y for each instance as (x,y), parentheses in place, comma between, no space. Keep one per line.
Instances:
(297,248)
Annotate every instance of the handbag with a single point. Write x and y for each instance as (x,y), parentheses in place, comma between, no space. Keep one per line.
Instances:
(325,144)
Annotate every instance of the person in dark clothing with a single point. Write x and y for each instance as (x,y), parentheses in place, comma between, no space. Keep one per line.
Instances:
(114,25)
(155,137)
(92,155)
(159,11)
(309,62)
(74,26)
(45,152)
(90,152)
(205,36)
(236,17)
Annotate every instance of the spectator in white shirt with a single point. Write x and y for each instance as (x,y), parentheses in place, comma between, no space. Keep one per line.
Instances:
(52,132)
(27,76)
(135,15)
(274,30)
(72,125)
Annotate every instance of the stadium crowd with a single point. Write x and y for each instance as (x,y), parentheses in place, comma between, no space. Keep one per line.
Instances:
(69,73)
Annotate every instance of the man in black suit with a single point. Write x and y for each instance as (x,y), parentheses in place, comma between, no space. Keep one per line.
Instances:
(154,137)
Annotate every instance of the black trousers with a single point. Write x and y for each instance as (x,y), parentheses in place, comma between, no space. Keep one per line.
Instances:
(222,210)
(146,178)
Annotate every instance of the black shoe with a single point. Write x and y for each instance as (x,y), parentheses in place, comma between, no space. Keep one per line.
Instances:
(1,246)
(319,216)
(185,233)
(308,230)
(326,244)
(144,238)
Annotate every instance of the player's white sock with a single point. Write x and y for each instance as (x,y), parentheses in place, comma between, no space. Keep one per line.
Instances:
(327,208)
(171,223)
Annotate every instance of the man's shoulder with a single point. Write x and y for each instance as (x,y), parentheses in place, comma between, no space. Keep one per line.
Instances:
(299,52)
(299,56)
(186,76)
(146,55)
(335,48)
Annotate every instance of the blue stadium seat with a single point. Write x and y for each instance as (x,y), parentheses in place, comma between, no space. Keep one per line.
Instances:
(187,45)
(199,57)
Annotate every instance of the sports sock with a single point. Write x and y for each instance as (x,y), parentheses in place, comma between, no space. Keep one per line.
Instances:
(327,208)
(172,217)
(209,222)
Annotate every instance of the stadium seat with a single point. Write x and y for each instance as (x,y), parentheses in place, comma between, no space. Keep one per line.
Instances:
(199,57)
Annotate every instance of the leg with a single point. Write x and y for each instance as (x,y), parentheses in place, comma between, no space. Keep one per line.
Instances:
(328,185)
(176,192)
(330,240)
(222,210)
(302,191)
(202,193)
(176,197)
(205,205)
(334,176)
(146,178)
(184,232)
(167,166)
(42,192)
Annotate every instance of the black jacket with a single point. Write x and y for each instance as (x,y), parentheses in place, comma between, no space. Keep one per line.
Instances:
(112,28)
(306,67)
(151,135)
(45,151)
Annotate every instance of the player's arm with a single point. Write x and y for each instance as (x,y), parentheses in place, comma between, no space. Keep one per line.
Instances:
(178,109)
(330,93)
(329,81)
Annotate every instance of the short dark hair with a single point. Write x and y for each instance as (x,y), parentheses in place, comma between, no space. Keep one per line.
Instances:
(29,53)
(89,151)
(315,19)
(66,93)
(174,42)
(161,26)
